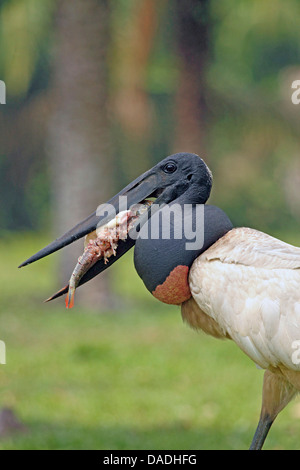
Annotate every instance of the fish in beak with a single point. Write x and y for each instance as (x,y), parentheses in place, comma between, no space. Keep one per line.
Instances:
(106,238)
(103,243)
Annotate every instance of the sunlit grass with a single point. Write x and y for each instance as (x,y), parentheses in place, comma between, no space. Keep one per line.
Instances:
(139,379)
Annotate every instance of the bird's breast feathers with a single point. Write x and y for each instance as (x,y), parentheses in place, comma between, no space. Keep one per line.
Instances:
(248,282)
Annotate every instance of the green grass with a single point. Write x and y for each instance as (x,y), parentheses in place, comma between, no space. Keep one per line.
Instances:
(136,379)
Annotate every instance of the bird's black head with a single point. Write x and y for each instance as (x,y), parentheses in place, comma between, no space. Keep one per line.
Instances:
(183,173)
(180,179)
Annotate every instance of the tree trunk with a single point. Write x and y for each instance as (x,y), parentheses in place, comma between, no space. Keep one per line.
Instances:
(133,108)
(79,134)
(190,106)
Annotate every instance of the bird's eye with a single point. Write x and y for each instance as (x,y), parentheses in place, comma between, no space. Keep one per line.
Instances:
(170,167)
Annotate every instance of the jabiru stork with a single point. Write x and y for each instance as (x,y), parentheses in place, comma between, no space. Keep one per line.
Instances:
(235,283)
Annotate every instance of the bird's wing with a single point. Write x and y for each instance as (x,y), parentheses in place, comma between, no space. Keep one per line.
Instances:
(250,247)
(248,282)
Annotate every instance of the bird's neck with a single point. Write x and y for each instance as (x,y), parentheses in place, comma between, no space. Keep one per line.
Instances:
(170,242)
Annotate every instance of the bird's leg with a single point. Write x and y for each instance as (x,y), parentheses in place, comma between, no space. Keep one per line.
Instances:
(264,425)
(277,393)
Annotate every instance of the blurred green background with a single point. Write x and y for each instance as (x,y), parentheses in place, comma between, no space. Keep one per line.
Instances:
(96,93)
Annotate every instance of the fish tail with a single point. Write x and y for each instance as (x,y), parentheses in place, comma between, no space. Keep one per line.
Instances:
(70,298)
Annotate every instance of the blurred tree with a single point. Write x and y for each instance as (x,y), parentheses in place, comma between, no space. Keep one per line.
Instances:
(24,67)
(254,133)
(134,37)
(192,26)
(24,37)
(231,99)
(79,136)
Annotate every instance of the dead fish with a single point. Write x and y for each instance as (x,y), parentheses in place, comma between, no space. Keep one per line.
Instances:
(103,243)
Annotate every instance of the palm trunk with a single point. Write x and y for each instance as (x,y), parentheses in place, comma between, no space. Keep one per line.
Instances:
(79,134)
(191,111)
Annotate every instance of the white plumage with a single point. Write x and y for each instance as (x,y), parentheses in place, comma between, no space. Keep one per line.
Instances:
(248,282)
(245,287)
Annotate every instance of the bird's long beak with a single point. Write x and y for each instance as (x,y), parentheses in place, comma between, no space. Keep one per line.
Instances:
(150,184)
(144,186)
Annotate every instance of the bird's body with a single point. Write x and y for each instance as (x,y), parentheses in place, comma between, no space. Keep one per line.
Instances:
(238,283)
(248,282)
(245,287)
